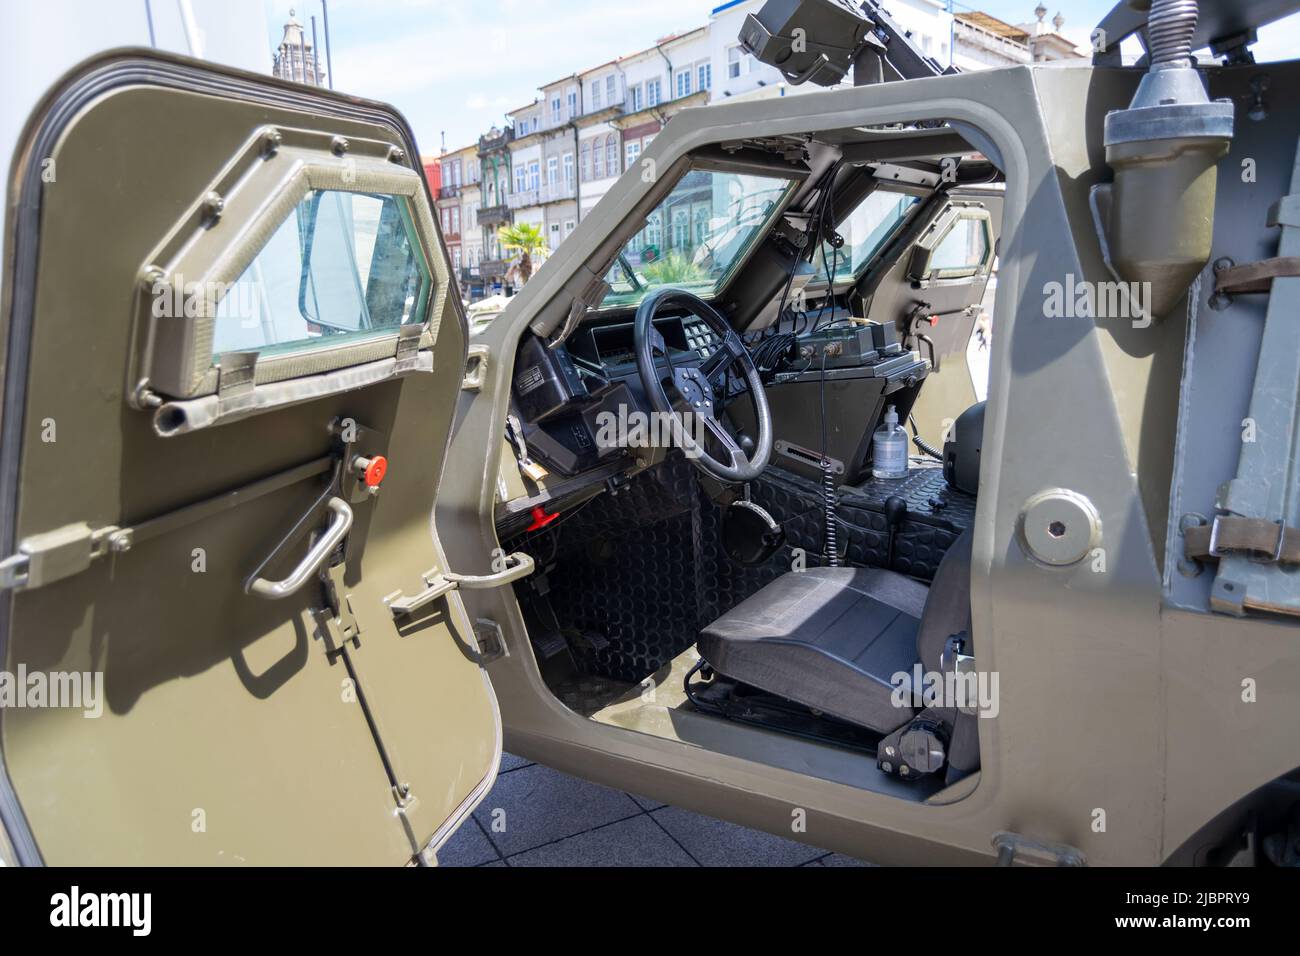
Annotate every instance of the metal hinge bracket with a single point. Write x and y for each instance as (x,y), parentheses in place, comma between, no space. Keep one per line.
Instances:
(54,555)
(438,583)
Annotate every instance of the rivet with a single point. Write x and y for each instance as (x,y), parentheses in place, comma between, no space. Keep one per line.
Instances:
(339,145)
(271,141)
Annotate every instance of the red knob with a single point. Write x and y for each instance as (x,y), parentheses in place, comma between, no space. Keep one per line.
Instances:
(375,471)
(540,518)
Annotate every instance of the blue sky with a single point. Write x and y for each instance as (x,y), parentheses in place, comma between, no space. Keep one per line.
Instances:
(458,65)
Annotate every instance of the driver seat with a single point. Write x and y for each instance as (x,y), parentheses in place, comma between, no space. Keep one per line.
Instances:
(832,638)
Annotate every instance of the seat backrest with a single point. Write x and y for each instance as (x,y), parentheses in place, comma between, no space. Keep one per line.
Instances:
(947,608)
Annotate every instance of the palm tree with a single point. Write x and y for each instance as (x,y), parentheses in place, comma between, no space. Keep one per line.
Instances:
(525,239)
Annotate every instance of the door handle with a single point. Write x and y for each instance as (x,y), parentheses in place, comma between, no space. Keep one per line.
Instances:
(437,583)
(340,524)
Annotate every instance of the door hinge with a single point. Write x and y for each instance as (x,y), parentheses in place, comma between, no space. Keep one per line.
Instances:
(54,555)
(438,583)
(491,640)
(1016,848)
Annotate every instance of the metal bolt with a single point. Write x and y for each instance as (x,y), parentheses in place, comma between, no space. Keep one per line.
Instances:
(889,751)
(1258,110)
(212,208)
(1221,300)
(887,767)
(339,145)
(903,770)
(271,141)
(120,541)
(396,155)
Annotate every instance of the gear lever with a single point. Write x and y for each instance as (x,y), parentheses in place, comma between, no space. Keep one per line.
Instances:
(895,515)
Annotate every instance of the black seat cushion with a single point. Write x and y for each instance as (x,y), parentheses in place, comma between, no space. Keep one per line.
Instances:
(828,638)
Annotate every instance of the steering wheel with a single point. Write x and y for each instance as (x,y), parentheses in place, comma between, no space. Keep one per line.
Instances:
(693,397)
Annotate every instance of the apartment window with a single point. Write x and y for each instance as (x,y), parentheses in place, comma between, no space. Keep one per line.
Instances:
(681,234)
(455,260)
(569,226)
(568,170)
(535,175)
(521,179)
(653,92)
(654,229)
(552,170)
(555,234)
(611,155)
(598,158)
(555,111)
(446,221)
(704,77)
(701,223)
(611,89)
(633,153)
(471,216)
(595,95)
(634,98)
(455,220)
(683,83)
(733,62)
(586,161)
(573,103)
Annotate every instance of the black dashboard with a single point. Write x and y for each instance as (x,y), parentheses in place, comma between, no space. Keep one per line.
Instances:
(561,395)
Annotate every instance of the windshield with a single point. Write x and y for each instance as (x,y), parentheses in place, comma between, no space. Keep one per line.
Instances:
(871,224)
(692,238)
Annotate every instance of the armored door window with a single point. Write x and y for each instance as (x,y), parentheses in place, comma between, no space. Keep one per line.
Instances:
(342,268)
(963,249)
(957,245)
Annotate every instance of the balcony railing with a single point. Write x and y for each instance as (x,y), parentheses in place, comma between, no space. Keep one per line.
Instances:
(449,191)
(549,192)
(486,144)
(494,215)
(493,268)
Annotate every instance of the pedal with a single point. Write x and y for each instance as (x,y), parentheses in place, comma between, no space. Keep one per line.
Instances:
(549,644)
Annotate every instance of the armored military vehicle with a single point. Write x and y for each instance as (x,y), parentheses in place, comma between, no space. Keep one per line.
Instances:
(326,550)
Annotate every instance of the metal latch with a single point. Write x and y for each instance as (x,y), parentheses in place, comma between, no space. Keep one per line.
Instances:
(54,555)
(437,583)
(337,622)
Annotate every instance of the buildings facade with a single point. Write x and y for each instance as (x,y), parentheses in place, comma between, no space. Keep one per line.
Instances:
(984,42)
(560,154)
(495,176)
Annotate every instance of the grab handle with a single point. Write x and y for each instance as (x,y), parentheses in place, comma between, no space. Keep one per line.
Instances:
(339,525)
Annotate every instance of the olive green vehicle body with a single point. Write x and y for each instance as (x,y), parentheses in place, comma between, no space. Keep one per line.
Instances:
(229,734)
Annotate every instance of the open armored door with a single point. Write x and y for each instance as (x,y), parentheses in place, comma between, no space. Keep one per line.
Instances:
(935,294)
(234,351)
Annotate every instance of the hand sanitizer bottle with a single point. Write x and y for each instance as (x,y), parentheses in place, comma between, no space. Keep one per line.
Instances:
(889,448)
